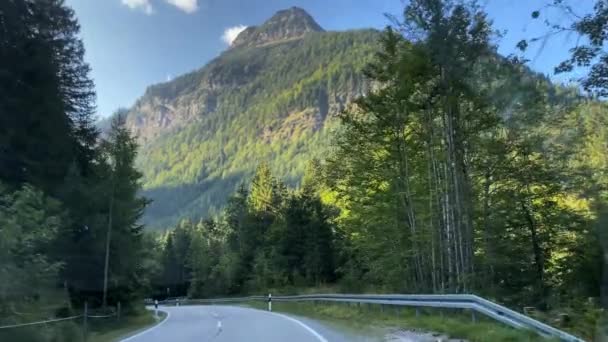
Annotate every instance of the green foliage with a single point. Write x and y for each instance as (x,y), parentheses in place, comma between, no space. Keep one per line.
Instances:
(29,223)
(46,117)
(125,210)
(403,159)
(63,190)
(522,174)
(273,104)
(266,237)
(592,53)
(262,197)
(458,171)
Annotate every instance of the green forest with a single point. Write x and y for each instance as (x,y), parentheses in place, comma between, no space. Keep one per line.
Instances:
(462,172)
(69,202)
(273,103)
(458,171)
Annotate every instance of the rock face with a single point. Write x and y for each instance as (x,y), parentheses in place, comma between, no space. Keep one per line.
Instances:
(287,24)
(271,97)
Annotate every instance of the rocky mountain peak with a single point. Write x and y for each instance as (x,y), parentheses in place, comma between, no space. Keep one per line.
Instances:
(284,25)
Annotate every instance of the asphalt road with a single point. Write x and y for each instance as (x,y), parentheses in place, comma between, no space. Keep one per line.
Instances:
(234,324)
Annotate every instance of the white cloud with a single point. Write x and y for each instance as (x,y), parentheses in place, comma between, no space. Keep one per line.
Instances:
(144,5)
(188,6)
(231,33)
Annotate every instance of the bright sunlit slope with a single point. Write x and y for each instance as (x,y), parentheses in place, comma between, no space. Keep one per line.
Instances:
(270,97)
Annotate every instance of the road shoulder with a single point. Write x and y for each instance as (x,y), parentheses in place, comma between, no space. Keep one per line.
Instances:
(163,316)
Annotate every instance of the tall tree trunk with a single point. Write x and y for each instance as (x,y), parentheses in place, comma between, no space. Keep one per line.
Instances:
(408,203)
(458,188)
(538,254)
(489,249)
(431,227)
(602,234)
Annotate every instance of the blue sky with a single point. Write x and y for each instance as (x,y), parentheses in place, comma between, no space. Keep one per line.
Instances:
(132,44)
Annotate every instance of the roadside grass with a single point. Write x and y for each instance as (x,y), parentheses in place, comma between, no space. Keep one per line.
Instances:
(587,321)
(455,323)
(99,329)
(584,319)
(47,307)
(113,330)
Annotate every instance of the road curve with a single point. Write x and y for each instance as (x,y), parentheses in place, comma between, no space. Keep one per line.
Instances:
(226,324)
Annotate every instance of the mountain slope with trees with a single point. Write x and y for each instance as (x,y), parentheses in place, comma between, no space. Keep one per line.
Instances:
(272,97)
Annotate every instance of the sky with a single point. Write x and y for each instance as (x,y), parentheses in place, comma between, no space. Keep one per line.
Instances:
(131,44)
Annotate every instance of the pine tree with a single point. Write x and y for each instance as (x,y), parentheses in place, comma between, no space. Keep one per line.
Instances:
(261,195)
(125,207)
(36,143)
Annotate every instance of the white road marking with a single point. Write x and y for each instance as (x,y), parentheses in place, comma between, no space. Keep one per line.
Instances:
(218,318)
(150,329)
(309,329)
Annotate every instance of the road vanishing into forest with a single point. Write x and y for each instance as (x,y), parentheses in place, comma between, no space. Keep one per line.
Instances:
(217,323)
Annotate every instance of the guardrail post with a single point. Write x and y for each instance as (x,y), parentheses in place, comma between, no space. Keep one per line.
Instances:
(417,312)
(381,308)
(473,316)
(270,302)
(84,322)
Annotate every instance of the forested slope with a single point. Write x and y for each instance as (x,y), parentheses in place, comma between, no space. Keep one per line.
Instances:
(450,170)
(460,171)
(205,132)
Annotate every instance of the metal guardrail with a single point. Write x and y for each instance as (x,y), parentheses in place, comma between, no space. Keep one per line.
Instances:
(471,302)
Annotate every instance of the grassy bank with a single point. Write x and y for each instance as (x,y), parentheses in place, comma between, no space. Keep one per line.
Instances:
(113,330)
(99,329)
(456,324)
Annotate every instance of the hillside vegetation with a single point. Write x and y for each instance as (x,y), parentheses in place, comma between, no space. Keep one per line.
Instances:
(459,171)
(274,103)
(414,160)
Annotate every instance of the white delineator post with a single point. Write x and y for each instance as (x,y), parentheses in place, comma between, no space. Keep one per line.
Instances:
(156,308)
(270,302)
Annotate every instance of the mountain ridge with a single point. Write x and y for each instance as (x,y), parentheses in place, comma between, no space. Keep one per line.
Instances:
(291,23)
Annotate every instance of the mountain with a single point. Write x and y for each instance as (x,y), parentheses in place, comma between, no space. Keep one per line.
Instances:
(272,97)
(287,24)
